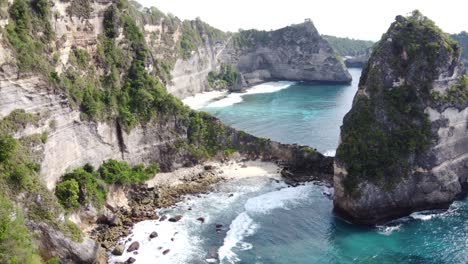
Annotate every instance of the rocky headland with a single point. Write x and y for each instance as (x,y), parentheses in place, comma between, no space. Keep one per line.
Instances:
(86,83)
(404,143)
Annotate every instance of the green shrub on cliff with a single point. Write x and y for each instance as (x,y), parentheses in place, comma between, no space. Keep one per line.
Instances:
(80,187)
(67,193)
(16,242)
(227,77)
(120,172)
(30,48)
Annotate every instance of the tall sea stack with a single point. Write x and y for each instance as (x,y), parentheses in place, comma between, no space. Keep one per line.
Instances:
(404,144)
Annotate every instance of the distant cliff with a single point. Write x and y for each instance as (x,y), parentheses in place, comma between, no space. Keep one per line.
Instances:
(404,144)
(296,53)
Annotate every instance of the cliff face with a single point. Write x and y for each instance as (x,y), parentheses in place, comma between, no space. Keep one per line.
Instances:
(404,144)
(95,82)
(296,53)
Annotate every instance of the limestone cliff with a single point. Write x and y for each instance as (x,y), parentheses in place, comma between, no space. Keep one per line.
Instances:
(296,53)
(94,82)
(404,143)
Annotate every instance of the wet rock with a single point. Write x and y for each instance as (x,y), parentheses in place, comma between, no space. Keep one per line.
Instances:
(166,251)
(163,218)
(175,218)
(118,250)
(208,167)
(231,195)
(219,226)
(201,219)
(172,239)
(153,234)
(134,246)
(130,260)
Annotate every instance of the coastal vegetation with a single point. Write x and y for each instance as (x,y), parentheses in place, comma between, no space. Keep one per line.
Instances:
(349,46)
(228,76)
(87,186)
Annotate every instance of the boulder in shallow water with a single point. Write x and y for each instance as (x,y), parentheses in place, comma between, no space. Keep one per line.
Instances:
(166,251)
(130,260)
(153,234)
(201,219)
(175,218)
(134,246)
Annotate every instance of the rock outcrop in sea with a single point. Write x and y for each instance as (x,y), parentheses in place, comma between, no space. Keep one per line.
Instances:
(404,144)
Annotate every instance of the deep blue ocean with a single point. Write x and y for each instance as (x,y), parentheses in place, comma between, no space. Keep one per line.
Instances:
(264,221)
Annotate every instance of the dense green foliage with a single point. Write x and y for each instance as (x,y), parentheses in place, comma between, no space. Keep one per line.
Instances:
(119,172)
(30,16)
(227,77)
(193,36)
(387,131)
(86,186)
(462,39)
(349,47)
(16,245)
(251,38)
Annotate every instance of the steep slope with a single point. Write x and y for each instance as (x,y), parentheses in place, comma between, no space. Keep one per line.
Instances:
(80,84)
(404,143)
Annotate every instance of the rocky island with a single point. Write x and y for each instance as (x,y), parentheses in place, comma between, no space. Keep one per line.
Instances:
(404,143)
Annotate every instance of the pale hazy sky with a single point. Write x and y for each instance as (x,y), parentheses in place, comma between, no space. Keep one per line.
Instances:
(362,19)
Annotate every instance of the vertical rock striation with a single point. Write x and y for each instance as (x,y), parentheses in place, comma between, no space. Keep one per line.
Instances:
(404,144)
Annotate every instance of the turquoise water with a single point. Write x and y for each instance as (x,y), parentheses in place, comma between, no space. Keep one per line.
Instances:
(302,113)
(264,221)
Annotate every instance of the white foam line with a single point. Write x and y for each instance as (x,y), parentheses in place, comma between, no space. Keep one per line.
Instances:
(223,98)
(202,99)
(235,98)
(244,226)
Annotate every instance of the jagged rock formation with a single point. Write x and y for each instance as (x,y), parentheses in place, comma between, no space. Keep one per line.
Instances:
(404,144)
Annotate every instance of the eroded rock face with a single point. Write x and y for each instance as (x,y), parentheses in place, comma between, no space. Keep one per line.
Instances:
(295,53)
(52,243)
(404,144)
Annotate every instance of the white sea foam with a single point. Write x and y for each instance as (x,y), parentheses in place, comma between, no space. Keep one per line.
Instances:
(428,215)
(172,236)
(388,230)
(330,153)
(285,198)
(242,226)
(235,98)
(202,99)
